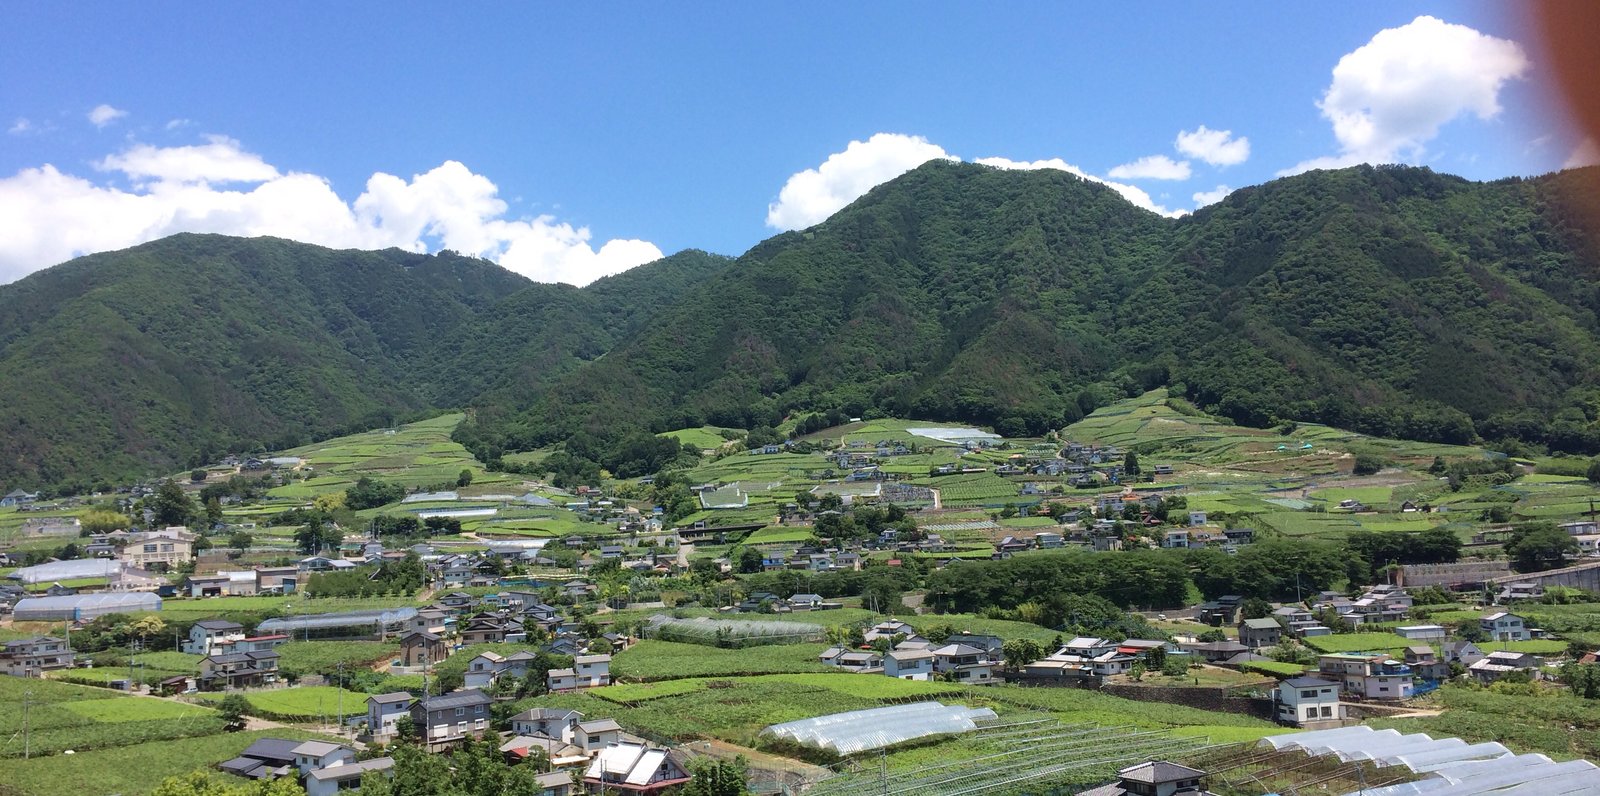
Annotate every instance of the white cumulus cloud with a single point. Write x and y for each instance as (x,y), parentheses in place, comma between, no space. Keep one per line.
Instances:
(47,216)
(1217,147)
(219,160)
(1151,167)
(810,196)
(1390,96)
(20,127)
(1203,198)
(103,115)
(1135,195)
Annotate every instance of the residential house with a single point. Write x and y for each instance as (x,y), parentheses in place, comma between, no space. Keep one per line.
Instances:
(990,644)
(239,670)
(430,620)
(1258,633)
(546,722)
(592,671)
(159,550)
(595,734)
(635,768)
(1499,663)
(847,560)
(805,601)
(1308,700)
(909,664)
(1502,626)
(1155,778)
(1425,663)
(483,669)
(266,758)
(207,635)
(889,629)
(484,629)
(447,720)
(334,779)
(1521,591)
(310,756)
(421,648)
(384,712)
(1048,540)
(967,663)
(1213,651)
(1465,653)
(852,660)
(1374,676)
(31,657)
(18,498)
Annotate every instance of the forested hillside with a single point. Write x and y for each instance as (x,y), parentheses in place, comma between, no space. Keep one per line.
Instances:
(168,354)
(1389,300)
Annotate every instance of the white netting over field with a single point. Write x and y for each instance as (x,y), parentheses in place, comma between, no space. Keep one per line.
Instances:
(732,632)
(875,728)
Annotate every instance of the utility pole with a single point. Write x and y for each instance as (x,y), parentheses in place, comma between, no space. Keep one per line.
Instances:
(27,748)
(340,710)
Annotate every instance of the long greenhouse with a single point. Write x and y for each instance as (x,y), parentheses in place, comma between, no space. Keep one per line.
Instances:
(84,607)
(876,728)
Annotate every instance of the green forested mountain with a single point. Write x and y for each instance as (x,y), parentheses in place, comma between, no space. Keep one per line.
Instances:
(170,353)
(1391,300)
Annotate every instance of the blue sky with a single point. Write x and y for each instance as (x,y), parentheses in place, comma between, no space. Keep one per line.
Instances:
(571,140)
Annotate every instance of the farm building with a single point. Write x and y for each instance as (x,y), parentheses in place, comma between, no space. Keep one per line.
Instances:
(84,607)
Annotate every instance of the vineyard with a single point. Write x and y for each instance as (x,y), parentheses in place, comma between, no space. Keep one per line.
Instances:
(63,716)
(972,490)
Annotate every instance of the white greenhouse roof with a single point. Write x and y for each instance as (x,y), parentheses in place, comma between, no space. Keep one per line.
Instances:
(76,569)
(875,728)
(106,602)
(290,624)
(1450,766)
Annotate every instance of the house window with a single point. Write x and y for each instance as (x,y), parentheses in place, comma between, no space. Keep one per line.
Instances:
(1327,712)
(478,710)
(594,739)
(461,711)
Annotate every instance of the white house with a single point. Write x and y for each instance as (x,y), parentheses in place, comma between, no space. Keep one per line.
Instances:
(207,635)
(313,755)
(546,722)
(1502,626)
(384,710)
(483,669)
(970,664)
(592,671)
(1303,700)
(347,777)
(909,664)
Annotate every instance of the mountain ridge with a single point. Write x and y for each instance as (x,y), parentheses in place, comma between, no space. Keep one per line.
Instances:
(1391,300)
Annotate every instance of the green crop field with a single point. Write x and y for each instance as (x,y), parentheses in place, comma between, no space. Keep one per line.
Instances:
(666,660)
(702,438)
(302,703)
(129,770)
(299,658)
(62,716)
(779,534)
(416,455)
(1554,722)
(1357,642)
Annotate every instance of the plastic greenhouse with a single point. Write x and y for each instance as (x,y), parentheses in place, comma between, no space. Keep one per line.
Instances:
(874,728)
(731,632)
(310,624)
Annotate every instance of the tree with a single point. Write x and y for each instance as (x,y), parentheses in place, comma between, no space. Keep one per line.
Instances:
(1593,473)
(240,540)
(1130,463)
(1582,678)
(169,505)
(1538,546)
(750,561)
(1156,658)
(1255,608)
(315,536)
(232,709)
(1368,463)
(464,479)
(370,493)
(197,476)
(1020,652)
(710,777)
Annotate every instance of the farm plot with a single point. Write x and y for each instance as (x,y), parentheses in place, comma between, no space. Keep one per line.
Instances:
(653,659)
(303,703)
(63,716)
(130,770)
(972,490)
